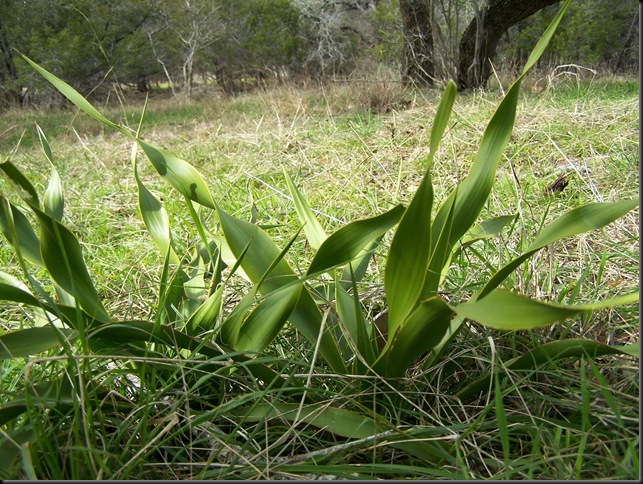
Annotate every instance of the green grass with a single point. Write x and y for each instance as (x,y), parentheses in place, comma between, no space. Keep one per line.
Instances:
(576,420)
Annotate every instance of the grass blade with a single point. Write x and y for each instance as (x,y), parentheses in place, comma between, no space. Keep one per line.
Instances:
(550,353)
(344,423)
(501,417)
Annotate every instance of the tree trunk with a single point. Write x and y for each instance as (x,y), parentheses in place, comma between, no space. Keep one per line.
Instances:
(474,63)
(628,44)
(418,63)
(8,72)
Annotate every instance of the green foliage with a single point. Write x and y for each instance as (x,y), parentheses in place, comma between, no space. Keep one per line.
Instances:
(593,33)
(190,322)
(388,32)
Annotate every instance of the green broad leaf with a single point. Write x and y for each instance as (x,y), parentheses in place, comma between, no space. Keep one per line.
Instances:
(487,229)
(435,353)
(338,421)
(261,327)
(154,216)
(147,331)
(420,332)
(345,423)
(259,257)
(410,250)
(39,315)
(580,220)
(227,256)
(74,96)
(550,353)
(195,292)
(356,269)
(349,241)
(441,118)
(408,256)
(70,315)
(312,228)
(440,257)
(53,202)
(360,331)
(63,258)
(506,310)
(576,221)
(205,317)
(20,183)
(17,229)
(475,188)
(260,252)
(178,173)
(172,293)
(33,341)
(12,445)
(9,292)
(122,332)
(231,326)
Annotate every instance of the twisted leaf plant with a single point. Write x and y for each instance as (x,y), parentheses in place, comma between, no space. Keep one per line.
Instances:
(190,319)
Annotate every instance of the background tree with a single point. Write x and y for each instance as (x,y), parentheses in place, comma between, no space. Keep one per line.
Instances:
(418,64)
(262,41)
(81,41)
(336,34)
(593,33)
(240,45)
(184,28)
(480,39)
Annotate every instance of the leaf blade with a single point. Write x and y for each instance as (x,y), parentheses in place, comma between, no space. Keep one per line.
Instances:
(506,310)
(349,241)
(312,228)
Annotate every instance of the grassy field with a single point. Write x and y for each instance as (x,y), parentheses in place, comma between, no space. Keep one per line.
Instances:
(354,150)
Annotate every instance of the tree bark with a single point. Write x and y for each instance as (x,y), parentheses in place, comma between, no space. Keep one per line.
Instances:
(8,72)
(418,62)
(474,63)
